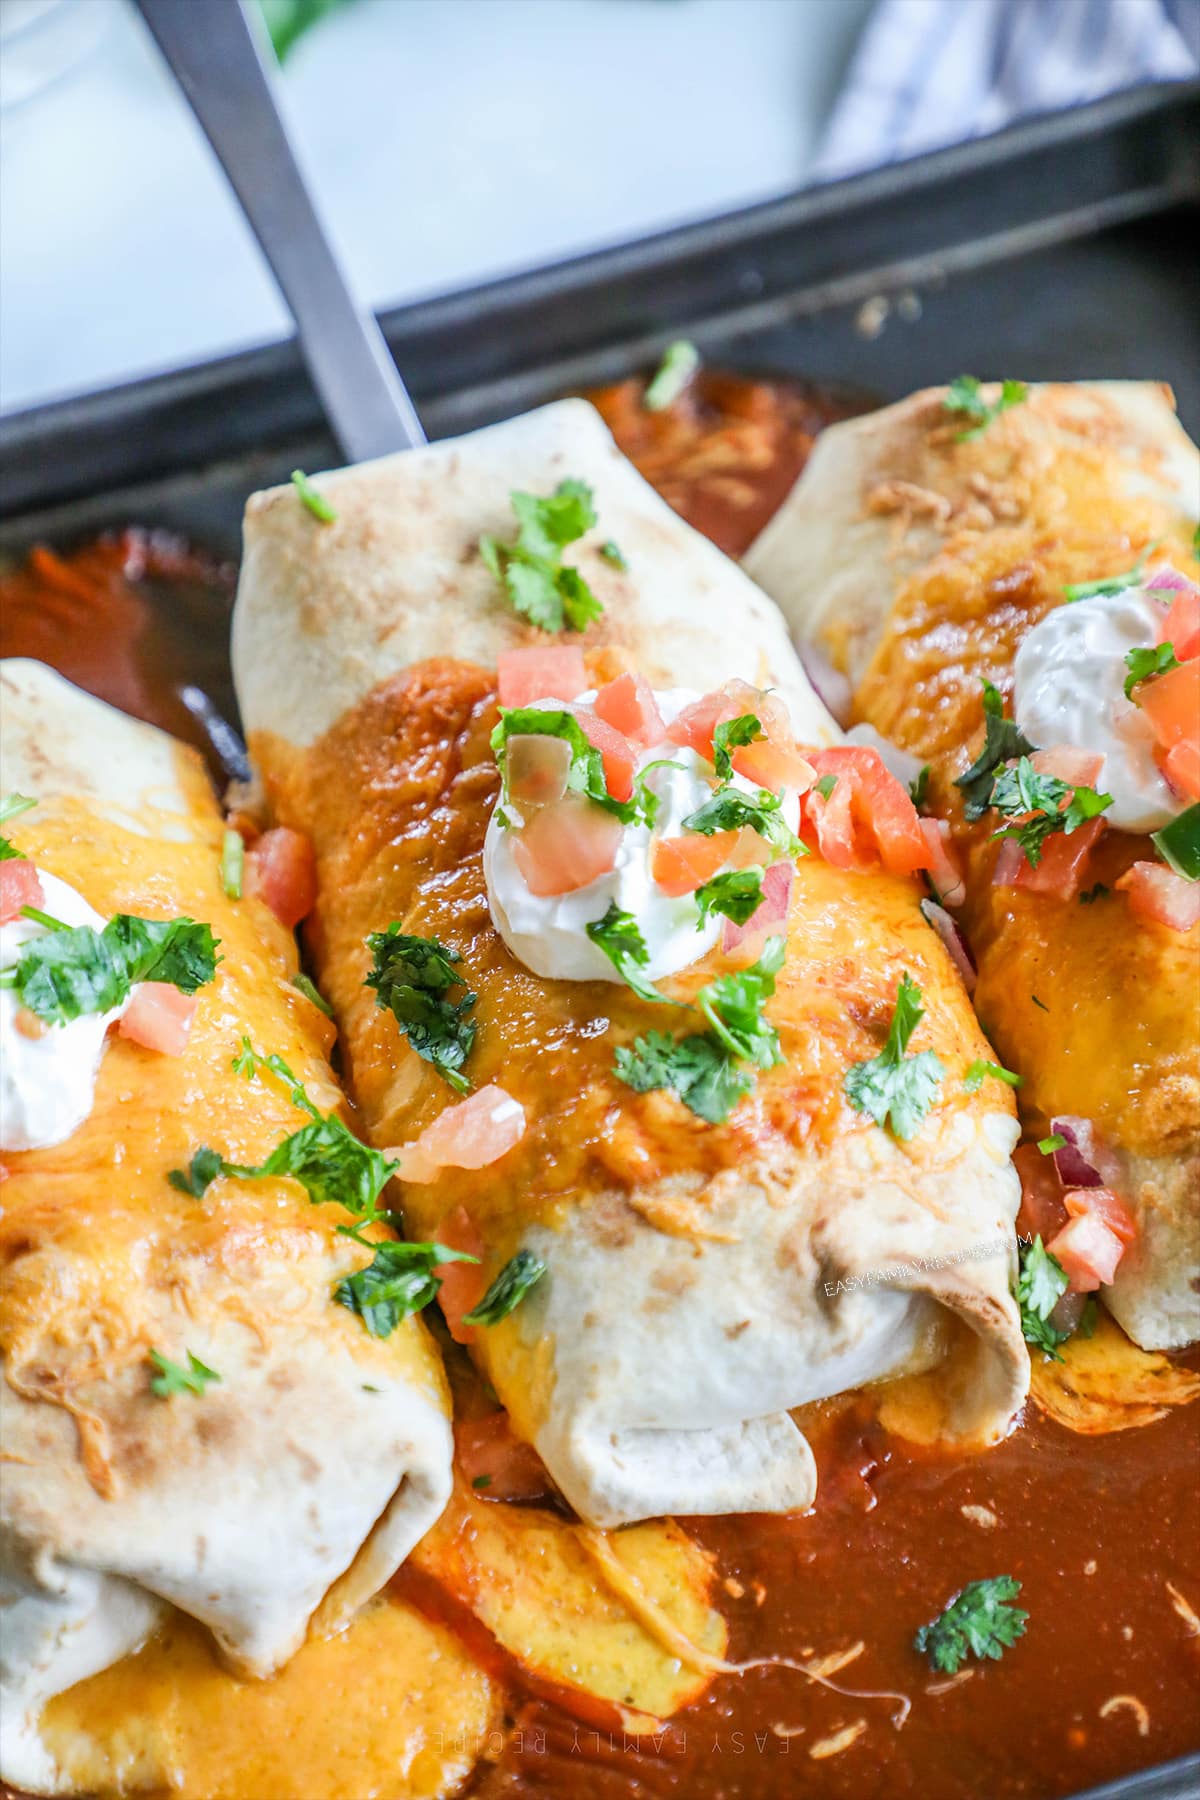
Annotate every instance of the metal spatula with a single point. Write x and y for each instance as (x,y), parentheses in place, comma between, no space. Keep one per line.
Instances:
(212,47)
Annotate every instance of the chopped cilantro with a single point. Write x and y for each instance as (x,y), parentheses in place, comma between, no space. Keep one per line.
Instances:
(233,864)
(680,362)
(1089,1318)
(617,934)
(304,986)
(736,894)
(731,735)
(978,1622)
(519,1274)
(979,1071)
(200,1173)
(1041,1284)
(698,1069)
(826,785)
(11,807)
(733,1005)
(540,586)
(315,501)
(1048,1145)
(1002,741)
(1144,663)
(76,969)
(398,1280)
(412,977)
(612,553)
(1092,894)
(918,787)
(1037,801)
(965,397)
(479,1482)
(729,809)
(586,774)
(1039,1003)
(1179,843)
(894,1087)
(1110,584)
(179,1378)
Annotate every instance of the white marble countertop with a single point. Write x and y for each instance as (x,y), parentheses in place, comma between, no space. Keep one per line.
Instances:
(447,140)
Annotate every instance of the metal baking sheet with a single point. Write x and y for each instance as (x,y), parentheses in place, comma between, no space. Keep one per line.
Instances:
(1054,250)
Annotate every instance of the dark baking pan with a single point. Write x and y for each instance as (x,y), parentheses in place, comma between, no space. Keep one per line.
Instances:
(1056,249)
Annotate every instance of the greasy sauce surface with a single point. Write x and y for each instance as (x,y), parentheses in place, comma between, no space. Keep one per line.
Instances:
(1094,1527)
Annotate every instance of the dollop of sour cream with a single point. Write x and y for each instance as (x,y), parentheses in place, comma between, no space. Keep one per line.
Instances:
(549,933)
(1070,689)
(47,1072)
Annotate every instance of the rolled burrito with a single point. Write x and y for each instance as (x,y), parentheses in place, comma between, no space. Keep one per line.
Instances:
(710,1263)
(190,1419)
(1043,541)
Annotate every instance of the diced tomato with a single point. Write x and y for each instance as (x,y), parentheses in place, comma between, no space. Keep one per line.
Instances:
(943,867)
(1107,1206)
(1089,1252)
(1171,702)
(629,706)
(159,1017)
(1159,894)
(20,886)
(498,1464)
(536,769)
(567,845)
(867,819)
(1078,768)
(550,672)
(696,724)
(1181,766)
(1062,867)
(282,871)
(470,1134)
(463,1284)
(1043,1211)
(1181,626)
(774,765)
(680,865)
(620,757)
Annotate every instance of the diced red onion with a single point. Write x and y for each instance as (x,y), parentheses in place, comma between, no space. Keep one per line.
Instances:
(833,688)
(900,763)
(1170,581)
(1082,1161)
(771,911)
(1008,863)
(954,939)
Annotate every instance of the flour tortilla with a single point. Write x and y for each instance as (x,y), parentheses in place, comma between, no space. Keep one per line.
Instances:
(654,1370)
(289,1478)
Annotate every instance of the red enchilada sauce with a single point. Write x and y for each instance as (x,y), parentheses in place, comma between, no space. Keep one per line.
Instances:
(1101,1530)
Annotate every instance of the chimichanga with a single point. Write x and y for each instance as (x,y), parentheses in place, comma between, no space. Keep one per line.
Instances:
(712,1260)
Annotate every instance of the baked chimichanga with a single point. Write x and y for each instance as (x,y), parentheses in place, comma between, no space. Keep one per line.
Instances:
(677,1127)
(189,1415)
(1043,541)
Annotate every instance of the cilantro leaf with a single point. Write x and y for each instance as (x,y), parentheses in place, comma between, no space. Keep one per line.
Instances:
(11,807)
(1041,1283)
(519,1274)
(979,1071)
(1110,584)
(1145,663)
(1048,1145)
(918,787)
(1001,742)
(179,1378)
(825,786)
(698,1069)
(586,774)
(965,397)
(310,497)
(76,969)
(978,1622)
(617,934)
(729,809)
(680,362)
(541,587)
(311,992)
(201,1172)
(731,735)
(1179,843)
(398,1280)
(736,894)
(733,1005)
(893,1087)
(612,553)
(1092,894)
(412,977)
(1051,805)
